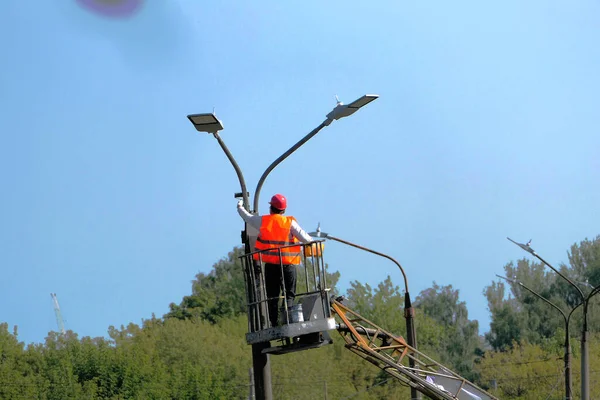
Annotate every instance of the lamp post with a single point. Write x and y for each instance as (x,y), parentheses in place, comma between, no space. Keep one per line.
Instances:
(209,123)
(261,364)
(409,312)
(567,358)
(585,363)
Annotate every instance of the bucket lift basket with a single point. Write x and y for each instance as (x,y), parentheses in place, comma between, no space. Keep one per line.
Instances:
(302,326)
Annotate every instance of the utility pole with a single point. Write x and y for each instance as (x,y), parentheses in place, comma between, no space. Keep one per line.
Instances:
(566,318)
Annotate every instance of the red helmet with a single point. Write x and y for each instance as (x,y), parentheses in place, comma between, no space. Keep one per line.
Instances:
(279,202)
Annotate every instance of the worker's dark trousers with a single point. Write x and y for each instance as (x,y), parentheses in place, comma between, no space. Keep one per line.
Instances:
(274,285)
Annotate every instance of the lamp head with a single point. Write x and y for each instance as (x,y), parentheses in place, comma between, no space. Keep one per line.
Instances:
(206,122)
(342,110)
(525,247)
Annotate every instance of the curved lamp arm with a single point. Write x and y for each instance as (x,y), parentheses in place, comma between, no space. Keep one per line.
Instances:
(377,253)
(341,110)
(516,282)
(318,233)
(285,155)
(235,165)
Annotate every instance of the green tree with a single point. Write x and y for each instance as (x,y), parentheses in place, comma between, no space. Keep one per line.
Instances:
(460,345)
(506,325)
(383,305)
(216,295)
(444,331)
(584,259)
(17,380)
(524,371)
(58,368)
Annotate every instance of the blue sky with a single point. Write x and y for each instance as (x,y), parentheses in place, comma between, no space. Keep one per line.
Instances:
(486,127)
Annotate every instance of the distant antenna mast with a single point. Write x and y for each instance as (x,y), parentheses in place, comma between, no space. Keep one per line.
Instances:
(59,319)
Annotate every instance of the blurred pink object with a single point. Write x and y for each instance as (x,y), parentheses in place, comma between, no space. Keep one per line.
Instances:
(112,8)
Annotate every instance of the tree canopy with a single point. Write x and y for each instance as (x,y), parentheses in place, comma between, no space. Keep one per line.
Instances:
(198,349)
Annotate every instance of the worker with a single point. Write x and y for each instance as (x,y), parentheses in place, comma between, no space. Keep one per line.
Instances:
(276,230)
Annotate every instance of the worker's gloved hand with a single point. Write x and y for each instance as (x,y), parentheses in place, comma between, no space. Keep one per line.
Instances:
(241,203)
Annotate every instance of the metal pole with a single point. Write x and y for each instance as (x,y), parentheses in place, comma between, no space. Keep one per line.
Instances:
(585,360)
(251,376)
(409,312)
(585,365)
(283,157)
(568,393)
(585,386)
(262,371)
(567,357)
(260,361)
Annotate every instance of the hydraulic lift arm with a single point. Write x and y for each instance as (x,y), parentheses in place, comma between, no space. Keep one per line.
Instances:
(393,355)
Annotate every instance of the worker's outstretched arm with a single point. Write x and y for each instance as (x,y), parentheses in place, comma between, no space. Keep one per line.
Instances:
(299,233)
(253,220)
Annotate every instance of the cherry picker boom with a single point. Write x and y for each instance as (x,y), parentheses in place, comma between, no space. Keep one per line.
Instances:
(306,325)
(393,355)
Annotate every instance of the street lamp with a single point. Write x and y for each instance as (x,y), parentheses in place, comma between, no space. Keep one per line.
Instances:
(261,363)
(209,123)
(585,363)
(341,110)
(566,318)
(409,312)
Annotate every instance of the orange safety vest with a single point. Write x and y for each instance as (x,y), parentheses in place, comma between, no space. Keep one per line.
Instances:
(274,233)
